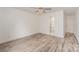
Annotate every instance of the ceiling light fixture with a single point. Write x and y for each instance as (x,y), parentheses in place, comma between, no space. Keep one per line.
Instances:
(39,11)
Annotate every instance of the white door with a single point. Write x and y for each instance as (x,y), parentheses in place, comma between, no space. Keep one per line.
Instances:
(52,26)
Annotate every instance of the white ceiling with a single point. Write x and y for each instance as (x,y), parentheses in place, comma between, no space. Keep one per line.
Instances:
(67,10)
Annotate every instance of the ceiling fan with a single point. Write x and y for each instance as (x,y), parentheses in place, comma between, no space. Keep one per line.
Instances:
(41,10)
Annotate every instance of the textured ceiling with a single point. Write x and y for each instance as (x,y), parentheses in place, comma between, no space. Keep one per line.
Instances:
(67,10)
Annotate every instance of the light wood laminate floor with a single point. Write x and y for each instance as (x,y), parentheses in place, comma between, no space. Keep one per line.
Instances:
(41,43)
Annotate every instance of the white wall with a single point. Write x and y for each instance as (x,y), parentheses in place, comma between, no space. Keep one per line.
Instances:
(59,23)
(69,23)
(76,27)
(44,23)
(15,23)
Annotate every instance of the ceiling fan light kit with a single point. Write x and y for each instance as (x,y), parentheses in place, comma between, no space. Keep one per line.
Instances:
(41,10)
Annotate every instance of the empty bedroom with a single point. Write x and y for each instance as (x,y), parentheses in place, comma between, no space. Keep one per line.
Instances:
(39,29)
